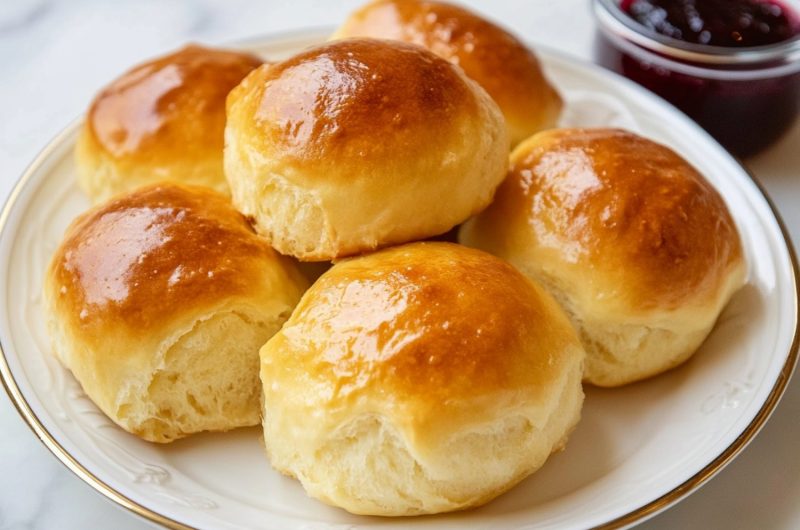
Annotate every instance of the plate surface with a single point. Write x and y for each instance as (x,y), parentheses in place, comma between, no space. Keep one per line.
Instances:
(636,451)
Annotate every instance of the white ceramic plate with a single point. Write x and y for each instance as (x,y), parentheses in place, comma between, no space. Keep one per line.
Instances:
(636,451)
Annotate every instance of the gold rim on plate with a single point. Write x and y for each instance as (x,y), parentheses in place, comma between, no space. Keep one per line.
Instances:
(638,515)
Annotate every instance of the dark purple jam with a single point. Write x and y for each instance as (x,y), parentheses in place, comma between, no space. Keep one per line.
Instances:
(745,116)
(728,23)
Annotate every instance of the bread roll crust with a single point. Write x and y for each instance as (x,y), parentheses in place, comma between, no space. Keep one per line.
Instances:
(430,344)
(623,231)
(426,342)
(498,61)
(171,250)
(162,120)
(337,104)
(356,144)
(138,280)
(627,209)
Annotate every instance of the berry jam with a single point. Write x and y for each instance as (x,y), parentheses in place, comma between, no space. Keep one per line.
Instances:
(745,106)
(727,23)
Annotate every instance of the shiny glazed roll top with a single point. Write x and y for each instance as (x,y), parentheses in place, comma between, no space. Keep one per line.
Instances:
(496,59)
(158,302)
(423,378)
(163,120)
(359,144)
(638,247)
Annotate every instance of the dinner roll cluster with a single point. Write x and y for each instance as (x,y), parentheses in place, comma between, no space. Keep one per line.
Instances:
(357,144)
(423,378)
(267,247)
(637,246)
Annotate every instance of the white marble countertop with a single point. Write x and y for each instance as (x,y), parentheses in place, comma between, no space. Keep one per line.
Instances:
(56,53)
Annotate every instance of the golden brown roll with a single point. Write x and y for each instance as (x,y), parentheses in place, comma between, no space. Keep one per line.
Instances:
(158,302)
(162,121)
(359,144)
(423,378)
(506,68)
(639,249)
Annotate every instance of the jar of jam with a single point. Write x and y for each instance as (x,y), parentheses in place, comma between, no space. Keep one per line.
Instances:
(731,65)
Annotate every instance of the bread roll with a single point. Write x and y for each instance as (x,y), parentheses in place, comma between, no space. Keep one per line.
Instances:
(360,144)
(504,66)
(158,302)
(162,121)
(639,249)
(423,378)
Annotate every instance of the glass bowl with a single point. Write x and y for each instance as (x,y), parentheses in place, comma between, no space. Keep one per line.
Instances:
(745,97)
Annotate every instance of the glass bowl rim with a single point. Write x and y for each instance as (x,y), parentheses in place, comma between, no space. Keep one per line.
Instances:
(613,20)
